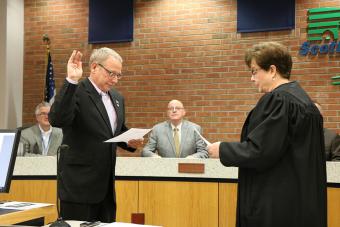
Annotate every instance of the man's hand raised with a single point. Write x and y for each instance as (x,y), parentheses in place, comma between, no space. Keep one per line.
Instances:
(74,66)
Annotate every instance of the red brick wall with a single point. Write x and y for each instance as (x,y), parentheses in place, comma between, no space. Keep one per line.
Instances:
(187,50)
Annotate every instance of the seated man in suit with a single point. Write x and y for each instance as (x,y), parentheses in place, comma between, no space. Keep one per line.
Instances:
(175,138)
(41,138)
(332,140)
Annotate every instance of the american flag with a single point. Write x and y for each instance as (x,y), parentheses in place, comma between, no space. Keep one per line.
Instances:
(50,90)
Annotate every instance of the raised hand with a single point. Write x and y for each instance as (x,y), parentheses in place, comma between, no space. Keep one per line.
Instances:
(74,66)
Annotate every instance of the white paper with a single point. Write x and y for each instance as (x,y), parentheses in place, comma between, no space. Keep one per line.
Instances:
(133,133)
(204,139)
(23,205)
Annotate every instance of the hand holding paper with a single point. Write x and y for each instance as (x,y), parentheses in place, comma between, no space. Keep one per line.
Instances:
(136,143)
(214,150)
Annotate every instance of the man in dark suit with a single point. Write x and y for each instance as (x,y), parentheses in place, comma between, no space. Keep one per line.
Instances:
(90,112)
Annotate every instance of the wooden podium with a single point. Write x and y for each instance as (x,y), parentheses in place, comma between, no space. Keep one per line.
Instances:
(27,215)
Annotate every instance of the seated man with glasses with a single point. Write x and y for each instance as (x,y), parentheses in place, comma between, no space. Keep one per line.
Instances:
(41,138)
(175,138)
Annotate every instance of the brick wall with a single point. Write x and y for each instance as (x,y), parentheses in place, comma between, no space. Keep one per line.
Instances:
(187,50)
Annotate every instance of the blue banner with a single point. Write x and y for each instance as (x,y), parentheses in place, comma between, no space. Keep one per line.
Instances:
(110,21)
(265,15)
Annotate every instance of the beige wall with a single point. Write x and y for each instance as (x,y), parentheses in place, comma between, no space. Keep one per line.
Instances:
(11,58)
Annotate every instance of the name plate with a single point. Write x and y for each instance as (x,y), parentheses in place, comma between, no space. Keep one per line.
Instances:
(138,218)
(191,167)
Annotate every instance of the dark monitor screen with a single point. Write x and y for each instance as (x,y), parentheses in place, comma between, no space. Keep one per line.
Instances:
(9,140)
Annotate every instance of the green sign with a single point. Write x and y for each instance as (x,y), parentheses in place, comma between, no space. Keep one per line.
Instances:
(323,34)
(322,31)
(323,24)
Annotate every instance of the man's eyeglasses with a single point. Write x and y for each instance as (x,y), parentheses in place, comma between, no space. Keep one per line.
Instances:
(111,74)
(42,114)
(175,108)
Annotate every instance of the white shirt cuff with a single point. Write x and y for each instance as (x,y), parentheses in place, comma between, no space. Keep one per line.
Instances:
(71,81)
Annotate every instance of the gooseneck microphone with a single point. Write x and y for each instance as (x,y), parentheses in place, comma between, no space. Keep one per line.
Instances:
(60,222)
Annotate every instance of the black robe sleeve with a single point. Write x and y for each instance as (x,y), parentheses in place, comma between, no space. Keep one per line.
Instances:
(266,139)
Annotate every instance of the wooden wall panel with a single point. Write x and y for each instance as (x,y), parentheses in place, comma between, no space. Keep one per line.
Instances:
(127,200)
(333,207)
(184,204)
(38,191)
(227,194)
(43,191)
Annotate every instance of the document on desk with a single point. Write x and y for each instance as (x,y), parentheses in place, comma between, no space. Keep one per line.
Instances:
(132,133)
(22,205)
(204,139)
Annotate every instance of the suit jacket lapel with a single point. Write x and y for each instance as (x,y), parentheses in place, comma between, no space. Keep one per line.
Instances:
(53,137)
(97,100)
(184,132)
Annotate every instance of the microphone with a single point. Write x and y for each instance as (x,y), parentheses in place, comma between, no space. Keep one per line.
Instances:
(60,222)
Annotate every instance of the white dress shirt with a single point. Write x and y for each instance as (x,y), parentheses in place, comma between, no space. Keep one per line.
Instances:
(111,112)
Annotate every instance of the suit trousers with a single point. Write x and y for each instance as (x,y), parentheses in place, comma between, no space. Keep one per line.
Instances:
(104,211)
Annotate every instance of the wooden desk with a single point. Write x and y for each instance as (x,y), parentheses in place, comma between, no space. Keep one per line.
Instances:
(27,215)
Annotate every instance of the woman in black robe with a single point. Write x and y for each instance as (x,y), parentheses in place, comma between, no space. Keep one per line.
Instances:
(282,167)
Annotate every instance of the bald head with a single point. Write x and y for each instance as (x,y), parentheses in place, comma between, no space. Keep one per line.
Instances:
(175,103)
(176,111)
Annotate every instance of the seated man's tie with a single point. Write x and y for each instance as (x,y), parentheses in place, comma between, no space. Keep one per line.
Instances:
(177,143)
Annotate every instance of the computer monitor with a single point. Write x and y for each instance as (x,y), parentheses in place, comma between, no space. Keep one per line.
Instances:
(9,141)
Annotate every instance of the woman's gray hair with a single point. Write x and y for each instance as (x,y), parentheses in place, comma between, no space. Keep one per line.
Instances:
(102,54)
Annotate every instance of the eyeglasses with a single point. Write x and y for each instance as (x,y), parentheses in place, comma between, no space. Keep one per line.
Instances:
(111,74)
(175,108)
(254,71)
(42,114)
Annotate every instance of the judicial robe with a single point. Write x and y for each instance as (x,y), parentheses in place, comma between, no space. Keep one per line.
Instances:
(282,167)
